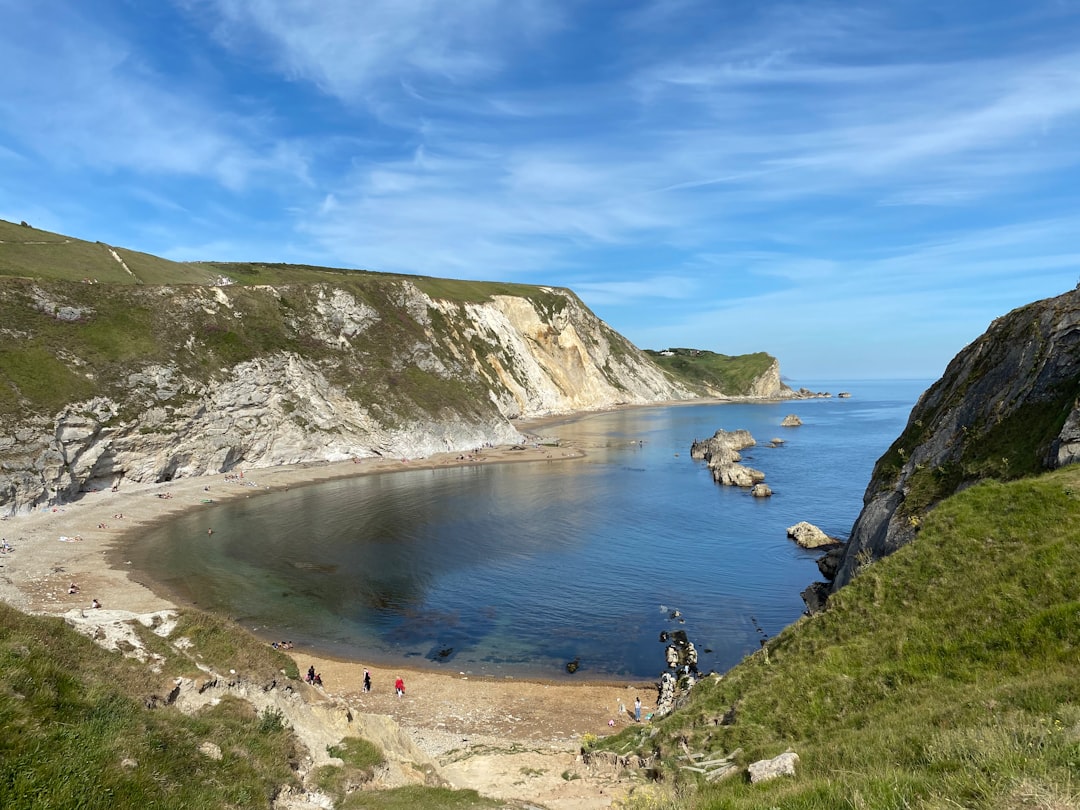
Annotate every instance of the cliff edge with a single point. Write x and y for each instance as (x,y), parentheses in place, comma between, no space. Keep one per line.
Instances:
(1007,406)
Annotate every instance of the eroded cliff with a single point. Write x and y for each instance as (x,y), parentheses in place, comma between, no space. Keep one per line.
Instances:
(1007,406)
(149,383)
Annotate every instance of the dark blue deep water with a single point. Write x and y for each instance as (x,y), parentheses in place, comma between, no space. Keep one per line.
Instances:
(517,569)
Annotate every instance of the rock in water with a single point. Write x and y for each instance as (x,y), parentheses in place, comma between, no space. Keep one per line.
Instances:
(808,535)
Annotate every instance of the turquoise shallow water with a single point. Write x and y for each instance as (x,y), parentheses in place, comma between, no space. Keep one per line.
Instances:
(516,569)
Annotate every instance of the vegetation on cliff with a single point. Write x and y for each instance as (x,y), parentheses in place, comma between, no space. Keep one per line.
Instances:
(730,374)
(944,675)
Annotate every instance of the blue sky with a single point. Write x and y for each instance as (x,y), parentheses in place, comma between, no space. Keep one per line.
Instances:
(855,188)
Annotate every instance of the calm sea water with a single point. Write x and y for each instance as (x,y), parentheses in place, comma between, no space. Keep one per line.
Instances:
(517,569)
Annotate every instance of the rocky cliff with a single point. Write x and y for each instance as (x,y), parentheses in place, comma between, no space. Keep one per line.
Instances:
(1007,406)
(103,382)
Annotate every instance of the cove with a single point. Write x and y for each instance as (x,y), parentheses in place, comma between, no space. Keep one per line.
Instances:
(516,569)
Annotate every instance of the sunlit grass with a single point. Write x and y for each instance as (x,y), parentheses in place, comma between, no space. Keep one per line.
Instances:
(945,675)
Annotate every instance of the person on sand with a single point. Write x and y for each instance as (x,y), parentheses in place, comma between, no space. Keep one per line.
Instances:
(637,710)
(311,674)
(94,603)
(317,680)
(73,588)
(367,681)
(399,687)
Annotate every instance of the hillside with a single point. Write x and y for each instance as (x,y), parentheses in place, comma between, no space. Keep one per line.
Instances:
(118,365)
(1007,406)
(718,373)
(944,675)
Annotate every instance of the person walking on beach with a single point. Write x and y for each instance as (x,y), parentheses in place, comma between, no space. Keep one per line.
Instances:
(367,681)
(637,710)
(399,687)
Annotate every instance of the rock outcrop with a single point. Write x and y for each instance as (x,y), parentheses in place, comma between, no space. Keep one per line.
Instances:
(808,535)
(151,383)
(721,454)
(1008,405)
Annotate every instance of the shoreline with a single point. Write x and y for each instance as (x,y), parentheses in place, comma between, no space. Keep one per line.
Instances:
(84,542)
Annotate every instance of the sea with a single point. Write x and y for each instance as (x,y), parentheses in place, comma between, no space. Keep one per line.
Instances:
(519,569)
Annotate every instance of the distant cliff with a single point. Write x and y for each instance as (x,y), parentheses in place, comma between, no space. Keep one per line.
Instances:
(119,365)
(149,383)
(1007,406)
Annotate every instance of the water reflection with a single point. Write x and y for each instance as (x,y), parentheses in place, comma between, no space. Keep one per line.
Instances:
(519,568)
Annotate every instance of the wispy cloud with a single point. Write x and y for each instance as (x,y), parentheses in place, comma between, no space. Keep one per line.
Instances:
(741,161)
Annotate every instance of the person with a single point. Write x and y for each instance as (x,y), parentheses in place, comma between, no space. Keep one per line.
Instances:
(637,710)
(399,687)
(367,681)
(311,674)
(318,679)
(94,603)
(73,588)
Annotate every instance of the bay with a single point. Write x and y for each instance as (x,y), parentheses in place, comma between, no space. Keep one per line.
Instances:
(517,569)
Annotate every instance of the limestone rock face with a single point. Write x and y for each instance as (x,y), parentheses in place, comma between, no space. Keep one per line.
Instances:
(260,376)
(721,454)
(1007,405)
(737,475)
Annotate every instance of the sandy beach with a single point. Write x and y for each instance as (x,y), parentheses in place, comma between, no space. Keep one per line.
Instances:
(82,542)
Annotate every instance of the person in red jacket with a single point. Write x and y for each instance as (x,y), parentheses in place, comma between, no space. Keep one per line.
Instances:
(399,687)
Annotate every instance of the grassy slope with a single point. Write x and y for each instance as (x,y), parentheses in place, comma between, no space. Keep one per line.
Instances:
(946,675)
(76,731)
(731,374)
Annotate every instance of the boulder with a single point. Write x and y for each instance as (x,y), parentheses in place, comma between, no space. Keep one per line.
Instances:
(761,491)
(791,420)
(765,769)
(808,535)
(722,442)
(737,475)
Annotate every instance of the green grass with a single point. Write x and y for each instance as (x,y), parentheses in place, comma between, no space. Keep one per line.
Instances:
(220,645)
(947,674)
(32,253)
(731,375)
(77,732)
(359,759)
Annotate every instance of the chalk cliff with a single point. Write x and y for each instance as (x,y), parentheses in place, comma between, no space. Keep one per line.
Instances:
(1007,406)
(147,383)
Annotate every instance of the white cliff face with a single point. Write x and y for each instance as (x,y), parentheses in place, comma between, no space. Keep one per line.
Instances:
(353,379)
(569,362)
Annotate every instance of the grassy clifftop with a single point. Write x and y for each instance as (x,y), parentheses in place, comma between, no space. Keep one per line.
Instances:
(945,675)
(732,374)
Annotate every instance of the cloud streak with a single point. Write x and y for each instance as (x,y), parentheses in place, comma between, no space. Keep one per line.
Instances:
(679,164)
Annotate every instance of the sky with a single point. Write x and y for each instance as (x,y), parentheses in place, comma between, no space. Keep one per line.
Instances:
(858,189)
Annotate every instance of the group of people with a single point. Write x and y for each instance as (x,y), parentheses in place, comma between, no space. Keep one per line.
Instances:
(281,645)
(314,678)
